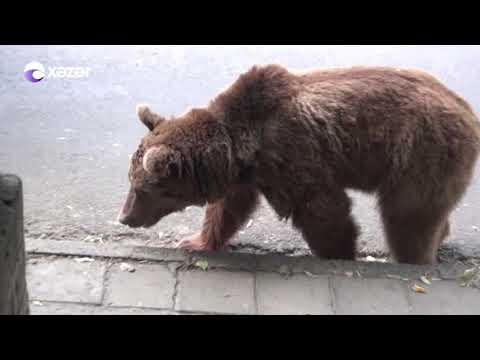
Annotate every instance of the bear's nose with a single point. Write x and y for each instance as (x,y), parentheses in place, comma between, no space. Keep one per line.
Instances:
(122,218)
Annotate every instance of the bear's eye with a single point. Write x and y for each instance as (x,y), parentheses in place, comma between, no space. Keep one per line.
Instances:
(169,194)
(152,182)
(141,192)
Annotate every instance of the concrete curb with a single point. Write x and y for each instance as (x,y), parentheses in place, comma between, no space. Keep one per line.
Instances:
(281,264)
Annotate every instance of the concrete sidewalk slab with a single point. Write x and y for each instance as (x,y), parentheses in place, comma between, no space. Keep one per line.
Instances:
(295,295)
(440,297)
(64,279)
(126,288)
(216,292)
(370,296)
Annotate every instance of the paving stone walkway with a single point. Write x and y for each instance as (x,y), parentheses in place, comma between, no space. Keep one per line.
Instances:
(66,277)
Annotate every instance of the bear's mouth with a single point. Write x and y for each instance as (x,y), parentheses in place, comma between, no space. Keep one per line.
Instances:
(149,224)
(150,221)
(138,222)
(155,220)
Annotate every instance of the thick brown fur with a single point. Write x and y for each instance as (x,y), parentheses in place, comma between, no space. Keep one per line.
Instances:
(301,140)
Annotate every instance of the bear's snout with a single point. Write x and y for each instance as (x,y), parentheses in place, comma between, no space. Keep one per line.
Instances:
(129,214)
(123,218)
(128,220)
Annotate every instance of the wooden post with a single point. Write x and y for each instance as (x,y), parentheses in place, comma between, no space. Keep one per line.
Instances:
(13,286)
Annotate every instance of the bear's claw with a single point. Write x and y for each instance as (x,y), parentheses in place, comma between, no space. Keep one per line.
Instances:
(193,243)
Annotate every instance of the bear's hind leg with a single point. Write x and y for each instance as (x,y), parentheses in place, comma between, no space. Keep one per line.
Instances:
(416,222)
(416,205)
(414,238)
(445,231)
(328,226)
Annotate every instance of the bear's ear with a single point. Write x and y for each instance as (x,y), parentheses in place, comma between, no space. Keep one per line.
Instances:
(162,161)
(148,117)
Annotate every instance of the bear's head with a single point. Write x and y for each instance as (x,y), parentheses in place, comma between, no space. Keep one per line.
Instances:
(158,184)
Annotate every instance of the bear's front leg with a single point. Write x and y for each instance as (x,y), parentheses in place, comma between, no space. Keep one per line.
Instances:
(327,225)
(222,219)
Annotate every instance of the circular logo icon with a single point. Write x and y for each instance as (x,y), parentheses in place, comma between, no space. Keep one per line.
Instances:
(34,72)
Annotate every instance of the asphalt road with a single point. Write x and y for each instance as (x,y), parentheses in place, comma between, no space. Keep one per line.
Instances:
(69,139)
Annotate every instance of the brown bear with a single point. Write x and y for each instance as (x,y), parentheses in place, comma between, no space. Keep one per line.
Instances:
(301,140)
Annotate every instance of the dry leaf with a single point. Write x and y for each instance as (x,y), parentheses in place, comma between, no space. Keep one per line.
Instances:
(84,260)
(127,267)
(284,270)
(469,273)
(469,276)
(425,280)
(249,223)
(91,238)
(202,264)
(418,289)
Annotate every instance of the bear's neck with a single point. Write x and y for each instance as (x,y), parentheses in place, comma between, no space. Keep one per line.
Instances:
(211,161)
(255,94)
(224,145)
(245,106)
